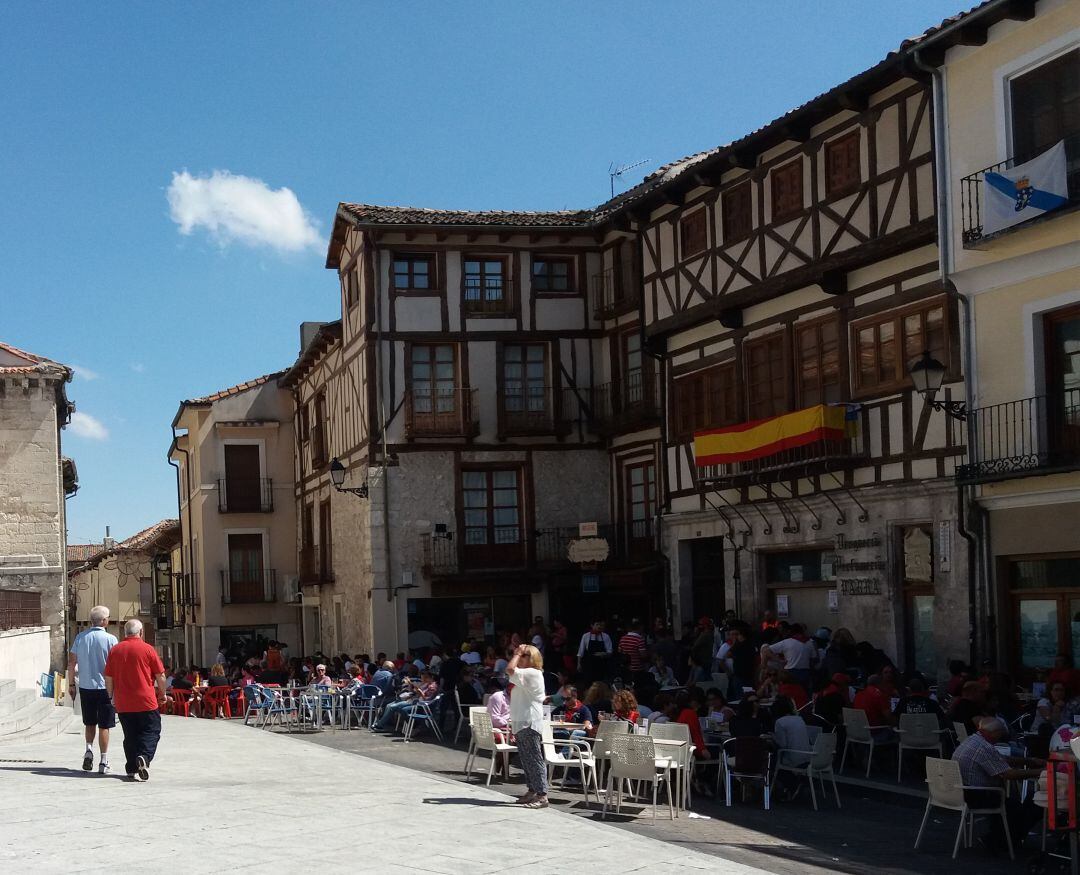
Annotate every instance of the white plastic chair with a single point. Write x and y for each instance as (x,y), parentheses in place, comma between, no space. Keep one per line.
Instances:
(678,758)
(484,739)
(960,731)
(819,765)
(605,732)
(472,731)
(859,731)
(580,757)
(633,758)
(918,732)
(947,791)
(463,715)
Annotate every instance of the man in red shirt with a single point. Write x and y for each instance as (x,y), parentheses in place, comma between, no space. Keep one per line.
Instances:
(634,652)
(877,707)
(135,680)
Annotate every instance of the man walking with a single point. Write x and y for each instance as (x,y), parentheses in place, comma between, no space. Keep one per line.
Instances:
(135,679)
(89,652)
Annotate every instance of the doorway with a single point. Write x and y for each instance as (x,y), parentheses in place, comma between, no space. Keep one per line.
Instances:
(707,578)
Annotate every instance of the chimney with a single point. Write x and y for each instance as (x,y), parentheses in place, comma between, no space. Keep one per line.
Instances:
(109,542)
(308,330)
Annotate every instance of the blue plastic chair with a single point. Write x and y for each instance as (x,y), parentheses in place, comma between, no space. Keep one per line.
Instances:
(366,699)
(424,711)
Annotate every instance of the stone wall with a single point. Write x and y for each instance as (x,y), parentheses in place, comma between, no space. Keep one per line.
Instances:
(32,524)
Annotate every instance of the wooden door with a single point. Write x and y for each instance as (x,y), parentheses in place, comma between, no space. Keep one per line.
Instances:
(246,572)
(494,522)
(242,483)
(1062,342)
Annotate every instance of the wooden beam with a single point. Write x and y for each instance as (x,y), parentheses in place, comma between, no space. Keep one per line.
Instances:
(708,175)
(504,236)
(472,236)
(441,236)
(853,101)
(742,160)
(732,317)
(1020,10)
(797,130)
(834,282)
(972,35)
(620,222)
(410,235)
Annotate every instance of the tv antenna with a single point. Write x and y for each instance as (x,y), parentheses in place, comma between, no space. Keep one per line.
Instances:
(614,171)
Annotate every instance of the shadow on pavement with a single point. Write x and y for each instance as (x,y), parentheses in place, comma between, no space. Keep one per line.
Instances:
(458,800)
(55,772)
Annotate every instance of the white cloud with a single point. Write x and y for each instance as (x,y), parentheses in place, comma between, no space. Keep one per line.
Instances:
(138,367)
(239,208)
(84,425)
(85,373)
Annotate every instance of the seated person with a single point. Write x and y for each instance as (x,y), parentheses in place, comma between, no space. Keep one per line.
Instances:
(829,704)
(788,687)
(468,691)
(625,706)
(217,676)
(746,721)
(598,700)
(770,683)
(181,681)
(1051,710)
(981,765)
(661,703)
(384,677)
(716,707)
(918,701)
(498,708)
(872,701)
(321,678)
(662,673)
(968,707)
(792,742)
(427,688)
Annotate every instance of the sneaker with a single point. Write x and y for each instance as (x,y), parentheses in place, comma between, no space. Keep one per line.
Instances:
(136,777)
(103,768)
(142,769)
(88,761)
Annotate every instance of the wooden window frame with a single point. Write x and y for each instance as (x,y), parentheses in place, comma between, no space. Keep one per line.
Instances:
(796,358)
(320,445)
(477,310)
(433,287)
(849,185)
(521,421)
(785,369)
(326,541)
(650,504)
(780,211)
(902,379)
(701,382)
(571,276)
(734,232)
(699,215)
(513,554)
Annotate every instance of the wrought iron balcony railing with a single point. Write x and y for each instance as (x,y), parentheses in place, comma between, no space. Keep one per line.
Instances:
(190,591)
(245,495)
(437,412)
(613,293)
(618,406)
(971,190)
(248,588)
(530,410)
(1029,437)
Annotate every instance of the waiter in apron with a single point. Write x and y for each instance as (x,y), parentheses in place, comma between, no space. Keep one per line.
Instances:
(594,653)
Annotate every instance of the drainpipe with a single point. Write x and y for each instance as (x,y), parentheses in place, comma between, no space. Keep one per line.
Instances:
(964,500)
(180,512)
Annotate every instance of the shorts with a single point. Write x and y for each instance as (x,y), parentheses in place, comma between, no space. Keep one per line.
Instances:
(97,709)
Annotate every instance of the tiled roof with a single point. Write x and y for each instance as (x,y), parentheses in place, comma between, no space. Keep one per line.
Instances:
(81,552)
(328,334)
(29,363)
(142,540)
(948,22)
(232,390)
(382,215)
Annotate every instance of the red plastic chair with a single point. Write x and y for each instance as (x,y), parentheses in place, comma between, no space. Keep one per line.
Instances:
(215,698)
(181,703)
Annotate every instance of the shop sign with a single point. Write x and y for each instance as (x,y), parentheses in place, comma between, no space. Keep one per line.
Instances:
(860,586)
(587,530)
(583,551)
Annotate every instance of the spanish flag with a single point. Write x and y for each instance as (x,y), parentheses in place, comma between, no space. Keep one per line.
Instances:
(766,437)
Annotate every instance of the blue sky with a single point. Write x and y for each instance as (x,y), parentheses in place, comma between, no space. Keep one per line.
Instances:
(455,105)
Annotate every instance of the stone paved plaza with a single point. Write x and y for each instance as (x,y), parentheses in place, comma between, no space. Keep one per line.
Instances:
(224,798)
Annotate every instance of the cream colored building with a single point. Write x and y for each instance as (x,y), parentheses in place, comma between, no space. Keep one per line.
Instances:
(133,579)
(234,455)
(1011,85)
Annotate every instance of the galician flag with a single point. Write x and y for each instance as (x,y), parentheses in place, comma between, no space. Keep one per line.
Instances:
(1023,192)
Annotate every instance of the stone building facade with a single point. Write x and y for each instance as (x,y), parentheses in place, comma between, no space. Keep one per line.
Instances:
(35,480)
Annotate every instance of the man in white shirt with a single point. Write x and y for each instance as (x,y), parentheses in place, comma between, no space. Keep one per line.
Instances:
(796,650)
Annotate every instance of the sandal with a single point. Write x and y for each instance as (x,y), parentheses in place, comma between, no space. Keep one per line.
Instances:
(538,802)
(526,799)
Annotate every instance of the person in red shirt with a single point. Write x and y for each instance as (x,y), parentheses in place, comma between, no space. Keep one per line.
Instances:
(1064,673)
(791,689)
(135,680)
(876,705)
(625,705)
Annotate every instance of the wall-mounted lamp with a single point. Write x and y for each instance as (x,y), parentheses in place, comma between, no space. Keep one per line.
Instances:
(337,477)
(163,565)
(928,375)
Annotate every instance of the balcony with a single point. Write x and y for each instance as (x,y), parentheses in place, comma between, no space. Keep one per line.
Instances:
(245,495)
(545,549)
(529,410)
(1026,438)
(312,566)
(248,588)
(613,293)
(190,595)
(623,405)
(971,190)
(448,413)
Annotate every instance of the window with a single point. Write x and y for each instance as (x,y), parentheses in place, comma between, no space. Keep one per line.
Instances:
(437,403)
(885,346)
(491,502)
(553,274)
(787,190)
(319,449)
(1045,108)
(737,212)
(19,609)
(694,233)
(244,582)
(641,499)
(351,282)
(242,484)
(706,399)
(817,361)
(524,389)
(326,550)
(766,377)
(305,423)
(415,273)
(842,173)
(637,385)
(485,286)
(146,595)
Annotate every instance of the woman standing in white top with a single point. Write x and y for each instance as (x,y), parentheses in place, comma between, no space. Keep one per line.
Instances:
(526,671)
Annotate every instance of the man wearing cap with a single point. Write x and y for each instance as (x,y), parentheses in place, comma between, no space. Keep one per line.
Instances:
(89,653)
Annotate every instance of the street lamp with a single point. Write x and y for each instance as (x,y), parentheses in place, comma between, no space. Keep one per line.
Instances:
(928,375)
(337,477)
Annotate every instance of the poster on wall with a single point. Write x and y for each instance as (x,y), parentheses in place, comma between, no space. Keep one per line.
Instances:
(834,602)
(795,574)
(782,609)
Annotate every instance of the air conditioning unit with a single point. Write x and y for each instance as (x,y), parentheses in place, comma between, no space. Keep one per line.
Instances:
(292,590)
